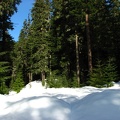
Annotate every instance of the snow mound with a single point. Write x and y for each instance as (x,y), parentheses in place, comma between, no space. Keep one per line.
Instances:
(37,108)
(34,102)
(34,85)
(34,88)
(98,106)
(12,93)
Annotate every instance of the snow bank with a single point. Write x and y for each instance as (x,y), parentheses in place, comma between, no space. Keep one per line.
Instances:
(34,102)
(37,108)
(98,106)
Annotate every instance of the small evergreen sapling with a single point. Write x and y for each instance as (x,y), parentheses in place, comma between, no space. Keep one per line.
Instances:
(97,78)
(103,74)
(110,72)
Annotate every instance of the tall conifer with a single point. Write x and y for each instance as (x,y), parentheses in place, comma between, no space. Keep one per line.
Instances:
(39,34)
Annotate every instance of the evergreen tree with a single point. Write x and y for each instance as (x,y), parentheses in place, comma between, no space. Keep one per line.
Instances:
(111,74)
(63,44)
(97,77)
(47,46)
(17,83)
(7,9)
(40,35)
(68,18)
(103,74)
(4,75)
(22,52)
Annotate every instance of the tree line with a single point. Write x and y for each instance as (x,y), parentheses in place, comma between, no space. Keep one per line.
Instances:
(67,43)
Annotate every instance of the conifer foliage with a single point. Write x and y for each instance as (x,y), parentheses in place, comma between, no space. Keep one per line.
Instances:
(103,74)
(7,9)
(39,33)
(64,39)
(4,76)
(61,41)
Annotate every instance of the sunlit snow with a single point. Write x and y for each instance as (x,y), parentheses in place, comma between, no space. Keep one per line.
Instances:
(35,102)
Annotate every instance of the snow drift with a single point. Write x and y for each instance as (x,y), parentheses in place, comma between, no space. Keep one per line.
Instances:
(35,102)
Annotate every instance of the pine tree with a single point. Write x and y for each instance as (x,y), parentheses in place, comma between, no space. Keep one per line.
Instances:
(62,29)
(40,33)
(18,82)
(97,77)
(103,74)
(7,9)
(4,75)
(22,52)
(111,74)
(68,18)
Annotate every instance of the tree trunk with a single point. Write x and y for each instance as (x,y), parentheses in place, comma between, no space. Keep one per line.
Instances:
(43,75)
(88,43)
(50,66)
(30,75)
(77,60)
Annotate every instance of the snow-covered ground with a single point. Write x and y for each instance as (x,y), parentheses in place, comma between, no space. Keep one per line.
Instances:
(34,102)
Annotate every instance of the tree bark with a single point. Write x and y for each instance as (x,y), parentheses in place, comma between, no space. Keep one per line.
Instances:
(77,60)
(50,66)
(43,75)
(30,77)
(88,43)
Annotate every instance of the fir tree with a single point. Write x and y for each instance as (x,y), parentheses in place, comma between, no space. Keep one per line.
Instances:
(22,52)
(39,33)
(4,75)
(111,74)
(17,83)
(97,77)
(103,74)
(7,9)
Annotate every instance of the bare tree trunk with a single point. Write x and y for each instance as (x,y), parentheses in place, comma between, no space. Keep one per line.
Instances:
(50,67)
(43,75)
(88,43)
(77,60)
(30,75)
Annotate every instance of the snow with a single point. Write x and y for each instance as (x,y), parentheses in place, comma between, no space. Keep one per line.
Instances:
(35,102)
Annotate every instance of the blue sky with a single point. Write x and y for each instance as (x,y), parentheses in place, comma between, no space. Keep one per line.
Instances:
(19,17)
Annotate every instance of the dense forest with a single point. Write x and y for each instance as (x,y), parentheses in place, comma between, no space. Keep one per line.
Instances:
(66,43)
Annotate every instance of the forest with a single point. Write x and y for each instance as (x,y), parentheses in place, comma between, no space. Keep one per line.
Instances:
(64,43)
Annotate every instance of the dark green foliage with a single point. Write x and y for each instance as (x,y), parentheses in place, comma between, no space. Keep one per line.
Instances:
(44,83)
(62,44)
(9,6)
(74,82)
(4,68)
(110,72)
(57,81)
(17,83)
(39,36)
(103,74)
(3,88)
(7,9)
(97,77)
(4,77)
(47,43)
(22,52)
